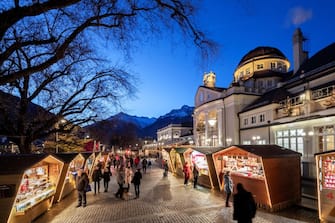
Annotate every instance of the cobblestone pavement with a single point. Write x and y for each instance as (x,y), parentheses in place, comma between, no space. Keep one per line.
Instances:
(162,200)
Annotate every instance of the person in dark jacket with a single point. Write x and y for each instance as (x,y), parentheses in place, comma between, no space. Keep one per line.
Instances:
(81,184)
(107,177)
(137,181)
(228,186)
(244,205)
(96,177)
(195,175)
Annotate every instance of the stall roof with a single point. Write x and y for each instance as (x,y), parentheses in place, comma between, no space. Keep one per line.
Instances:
(86,154)
(167,149)
(207,150)
(15,164)
(324,152)
(267,150)
(66,157)
(181,150)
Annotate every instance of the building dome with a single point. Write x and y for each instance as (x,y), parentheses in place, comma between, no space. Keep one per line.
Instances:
(261,60)
(262,52)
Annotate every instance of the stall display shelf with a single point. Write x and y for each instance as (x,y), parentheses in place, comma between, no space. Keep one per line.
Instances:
(329,173)
(244,166)
(32,200)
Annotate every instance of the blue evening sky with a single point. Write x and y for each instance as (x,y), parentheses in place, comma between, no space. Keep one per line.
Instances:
(170,71)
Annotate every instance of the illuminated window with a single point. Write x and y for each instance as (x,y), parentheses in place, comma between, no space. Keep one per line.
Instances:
(247,71)
(261,118)
(253,119)
(291,139)
(273,66)
(245,121)
(259,66)
(325,137)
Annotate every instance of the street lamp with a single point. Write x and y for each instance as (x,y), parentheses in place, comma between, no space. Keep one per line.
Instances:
(212,123)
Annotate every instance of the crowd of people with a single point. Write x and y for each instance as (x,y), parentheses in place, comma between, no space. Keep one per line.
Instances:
(128,171)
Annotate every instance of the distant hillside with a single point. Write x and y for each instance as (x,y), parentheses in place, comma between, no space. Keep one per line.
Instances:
(143,127)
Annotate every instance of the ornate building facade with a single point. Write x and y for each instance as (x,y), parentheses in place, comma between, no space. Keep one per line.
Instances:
(268,104)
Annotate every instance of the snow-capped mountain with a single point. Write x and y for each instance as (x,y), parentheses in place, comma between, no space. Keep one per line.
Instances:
(141,122)
(144,127)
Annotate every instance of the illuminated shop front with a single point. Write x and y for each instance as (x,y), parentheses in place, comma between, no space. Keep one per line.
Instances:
(325,168)
(67,181)
(31,182)
(202,158)
(91,159)
(260,169)
(166,156)
(178,160)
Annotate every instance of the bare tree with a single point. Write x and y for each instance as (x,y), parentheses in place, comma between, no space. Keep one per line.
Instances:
(48,56)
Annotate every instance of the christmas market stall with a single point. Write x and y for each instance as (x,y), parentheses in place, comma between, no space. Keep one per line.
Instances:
(67,180)
(202,158)
(27,186)
(270,172)
(178,160)
(91,159)
(166,157)
(325,169)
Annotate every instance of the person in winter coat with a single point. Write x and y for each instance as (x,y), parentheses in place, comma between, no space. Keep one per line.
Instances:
(120,178)
(128,177)
(137,181)
(96,177)
(228,186)
(187,173)
(107,177)
(81,185)
(244,205)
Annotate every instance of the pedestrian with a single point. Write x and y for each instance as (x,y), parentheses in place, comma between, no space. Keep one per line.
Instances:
(120,178)
(128,177)
(195,175)
(144,165)
(149,164)
(96,177)
(107,177)
(166,168)
(82,182)
(137,161)
(228,186)
(137,181)
(187,172)
(244,205)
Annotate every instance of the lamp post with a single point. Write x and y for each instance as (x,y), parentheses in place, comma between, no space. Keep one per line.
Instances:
(212,123)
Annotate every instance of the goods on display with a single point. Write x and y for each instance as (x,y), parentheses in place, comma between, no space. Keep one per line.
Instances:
(35,187)
(244,165)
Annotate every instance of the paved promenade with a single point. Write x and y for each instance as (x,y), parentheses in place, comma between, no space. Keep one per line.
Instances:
(162,200)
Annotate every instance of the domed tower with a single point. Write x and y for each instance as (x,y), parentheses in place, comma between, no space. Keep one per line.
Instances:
(209,79)
(262,61)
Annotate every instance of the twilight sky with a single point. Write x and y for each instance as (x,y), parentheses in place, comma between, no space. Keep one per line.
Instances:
(170,71)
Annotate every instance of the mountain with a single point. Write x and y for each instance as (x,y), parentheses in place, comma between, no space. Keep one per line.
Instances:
(140,122)
(142,127)
(175,116)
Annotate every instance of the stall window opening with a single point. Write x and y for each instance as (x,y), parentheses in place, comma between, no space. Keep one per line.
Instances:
(325,137)
(292,139)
